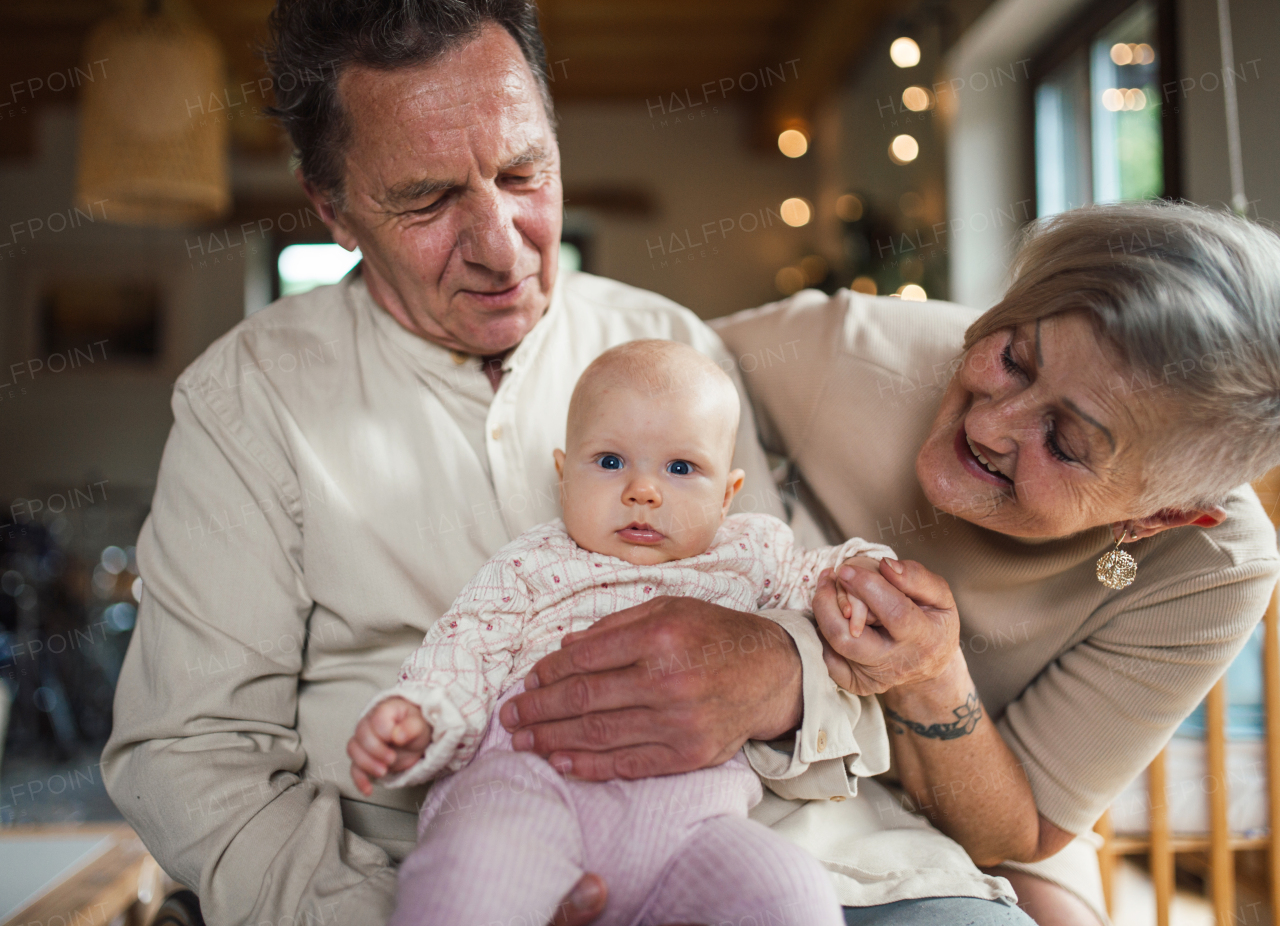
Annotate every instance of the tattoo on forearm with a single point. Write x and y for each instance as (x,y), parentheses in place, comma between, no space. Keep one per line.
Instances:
(967,717)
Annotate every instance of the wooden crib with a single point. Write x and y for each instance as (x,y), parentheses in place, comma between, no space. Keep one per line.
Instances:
(1221,844)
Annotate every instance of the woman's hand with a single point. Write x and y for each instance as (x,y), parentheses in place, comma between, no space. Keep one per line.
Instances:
(668,686)
(902,640)
(390,738)
(901,627)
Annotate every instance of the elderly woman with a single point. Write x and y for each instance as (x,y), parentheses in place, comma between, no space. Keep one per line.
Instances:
(1114,404)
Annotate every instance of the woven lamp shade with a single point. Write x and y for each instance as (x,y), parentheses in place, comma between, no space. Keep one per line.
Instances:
(148,144)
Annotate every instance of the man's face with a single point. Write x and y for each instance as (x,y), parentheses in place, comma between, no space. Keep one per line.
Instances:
(453,194)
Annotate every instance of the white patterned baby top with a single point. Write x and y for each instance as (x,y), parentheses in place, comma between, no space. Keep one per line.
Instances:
(542,586)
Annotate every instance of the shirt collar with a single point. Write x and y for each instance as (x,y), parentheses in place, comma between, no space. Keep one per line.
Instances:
(442,358)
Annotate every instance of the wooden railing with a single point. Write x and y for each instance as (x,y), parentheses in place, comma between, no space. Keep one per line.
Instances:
(1161,845)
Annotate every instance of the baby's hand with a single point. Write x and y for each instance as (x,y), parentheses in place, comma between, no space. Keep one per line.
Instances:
(390,738)
(854,611)
(904,628)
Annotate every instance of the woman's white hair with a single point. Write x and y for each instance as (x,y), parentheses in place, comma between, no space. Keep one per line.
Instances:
(1190,297)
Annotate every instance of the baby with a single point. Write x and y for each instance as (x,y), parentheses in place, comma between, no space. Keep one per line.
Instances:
(645,487)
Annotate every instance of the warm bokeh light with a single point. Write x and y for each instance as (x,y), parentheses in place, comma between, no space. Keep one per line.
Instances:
(917,99)
(864,285)
(792,143)
(796,211)
(912,204)
(1130,53)
(814,268)
(1116,99)
(849,208)
(912,292)
(904,149)
(904,52)
(789,280)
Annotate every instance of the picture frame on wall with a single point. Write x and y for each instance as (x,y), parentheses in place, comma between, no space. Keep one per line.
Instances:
(119,320)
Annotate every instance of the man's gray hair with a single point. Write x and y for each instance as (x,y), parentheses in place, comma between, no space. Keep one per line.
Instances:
(1190,298)
(312,41)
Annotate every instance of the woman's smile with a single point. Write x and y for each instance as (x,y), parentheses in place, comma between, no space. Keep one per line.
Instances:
(976,464)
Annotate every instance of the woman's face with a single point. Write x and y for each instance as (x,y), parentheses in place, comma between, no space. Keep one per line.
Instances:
(1047,406)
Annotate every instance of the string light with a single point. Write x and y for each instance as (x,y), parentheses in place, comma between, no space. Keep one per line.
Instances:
(792,143)
(1116,99)
(904,52)
(917,99)
(849,208)
(789,280)
(796,211)
(904,149)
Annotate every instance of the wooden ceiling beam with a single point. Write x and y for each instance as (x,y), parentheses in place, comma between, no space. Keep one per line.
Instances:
(656,47)
(618,51)
(672,11)
(623,17)
(832,38)
(68,14)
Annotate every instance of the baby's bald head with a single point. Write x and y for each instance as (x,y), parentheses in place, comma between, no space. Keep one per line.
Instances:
(668,372)
(646,472)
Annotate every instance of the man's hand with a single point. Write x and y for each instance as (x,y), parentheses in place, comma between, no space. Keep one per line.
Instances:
(901,628)
(390,738)
(582,904)
(668,686)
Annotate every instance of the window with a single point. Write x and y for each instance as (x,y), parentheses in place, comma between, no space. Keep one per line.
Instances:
(570,257)
(303,267)
(1101,131)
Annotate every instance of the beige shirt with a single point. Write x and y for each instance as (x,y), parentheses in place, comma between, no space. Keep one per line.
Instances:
(330,483)
(1086,683)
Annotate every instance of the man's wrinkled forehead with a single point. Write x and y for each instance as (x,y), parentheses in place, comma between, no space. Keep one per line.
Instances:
(480,92)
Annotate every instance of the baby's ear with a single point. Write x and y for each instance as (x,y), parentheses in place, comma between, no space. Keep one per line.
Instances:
(733,486)
(558,456)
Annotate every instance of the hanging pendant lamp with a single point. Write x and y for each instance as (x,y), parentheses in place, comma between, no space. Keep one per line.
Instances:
(149,146)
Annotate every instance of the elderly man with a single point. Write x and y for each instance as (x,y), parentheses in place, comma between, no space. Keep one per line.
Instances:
(342,463)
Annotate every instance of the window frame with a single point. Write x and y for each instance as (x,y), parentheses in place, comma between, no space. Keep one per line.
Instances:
(1076,38)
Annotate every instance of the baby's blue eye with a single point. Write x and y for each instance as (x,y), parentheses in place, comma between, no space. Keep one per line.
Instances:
(611,461)
(679,468)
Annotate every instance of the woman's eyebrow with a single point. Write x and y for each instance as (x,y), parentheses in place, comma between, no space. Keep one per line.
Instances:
(1079,412)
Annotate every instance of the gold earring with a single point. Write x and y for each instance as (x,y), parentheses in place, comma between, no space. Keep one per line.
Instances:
(1116,568)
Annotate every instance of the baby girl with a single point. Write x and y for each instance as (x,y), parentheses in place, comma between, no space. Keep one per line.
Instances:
(645,486)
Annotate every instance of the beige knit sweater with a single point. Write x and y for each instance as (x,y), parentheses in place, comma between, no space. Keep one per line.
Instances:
(1086,683)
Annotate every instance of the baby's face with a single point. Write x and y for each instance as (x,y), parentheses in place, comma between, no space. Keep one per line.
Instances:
(647,478)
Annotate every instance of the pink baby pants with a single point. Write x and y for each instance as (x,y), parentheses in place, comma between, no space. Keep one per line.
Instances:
(502,842)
